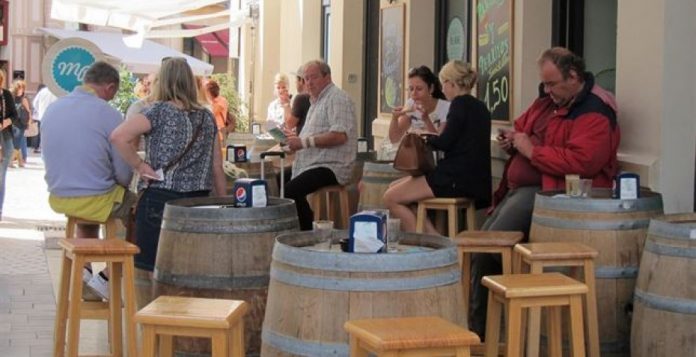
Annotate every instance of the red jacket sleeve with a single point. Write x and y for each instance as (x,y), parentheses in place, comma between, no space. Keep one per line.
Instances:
(581,146)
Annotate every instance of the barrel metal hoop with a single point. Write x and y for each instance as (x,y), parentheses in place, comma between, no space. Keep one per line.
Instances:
(665,303)
(343,262)
(651,203)
(669,230)
(208,282)
(591,225)
(608,272)
(230,227)
(353,284)
(294,346)
(661,249)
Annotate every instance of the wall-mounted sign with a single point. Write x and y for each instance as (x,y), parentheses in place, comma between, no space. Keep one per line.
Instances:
(66,63)
(494,55)
(391,66)
(456,40)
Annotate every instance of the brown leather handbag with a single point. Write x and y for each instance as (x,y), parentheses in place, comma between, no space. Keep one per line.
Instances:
(414,156)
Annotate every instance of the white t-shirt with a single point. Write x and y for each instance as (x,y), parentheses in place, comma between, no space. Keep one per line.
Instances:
(276,115)
(438,116)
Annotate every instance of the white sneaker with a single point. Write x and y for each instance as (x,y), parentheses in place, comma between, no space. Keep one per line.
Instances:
(100,284)
(88,294)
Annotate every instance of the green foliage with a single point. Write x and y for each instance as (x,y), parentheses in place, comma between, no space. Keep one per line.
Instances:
(237,106)
(125,95)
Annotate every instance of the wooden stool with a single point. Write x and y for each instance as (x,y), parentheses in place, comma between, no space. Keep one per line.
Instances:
(118,255)
(168,316)
(343,202)
(110,226)
(496,242)
(541,255)
(518,291)
(452,206)
(409,336)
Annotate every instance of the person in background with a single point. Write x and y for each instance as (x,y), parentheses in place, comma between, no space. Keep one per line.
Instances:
(220,109)
(296,114)
(326,147)
(570,129)
(85,175)
(180,143)
(276,109)
(42,100)
(426,108)
(465,170)
(22,123)
(9,116)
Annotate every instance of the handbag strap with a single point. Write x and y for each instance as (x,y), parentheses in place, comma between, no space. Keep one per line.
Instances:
(186,149)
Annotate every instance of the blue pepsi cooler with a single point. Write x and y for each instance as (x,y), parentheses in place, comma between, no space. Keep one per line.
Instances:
(368,232)
(249,192)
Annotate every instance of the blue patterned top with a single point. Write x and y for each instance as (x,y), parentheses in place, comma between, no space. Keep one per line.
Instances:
(172,130)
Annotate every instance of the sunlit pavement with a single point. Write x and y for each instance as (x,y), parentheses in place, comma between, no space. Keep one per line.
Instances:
(29,273)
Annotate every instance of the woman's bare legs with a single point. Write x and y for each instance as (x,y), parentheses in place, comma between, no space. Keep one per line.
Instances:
(400,197)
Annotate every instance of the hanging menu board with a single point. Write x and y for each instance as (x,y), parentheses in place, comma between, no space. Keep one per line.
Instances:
(494,55)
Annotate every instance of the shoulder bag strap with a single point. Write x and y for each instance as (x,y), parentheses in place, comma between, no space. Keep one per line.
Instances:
(196,133)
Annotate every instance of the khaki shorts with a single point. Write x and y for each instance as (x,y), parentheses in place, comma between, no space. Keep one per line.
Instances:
(123,210)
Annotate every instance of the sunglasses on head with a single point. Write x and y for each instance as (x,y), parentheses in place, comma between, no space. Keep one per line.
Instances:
(170,58)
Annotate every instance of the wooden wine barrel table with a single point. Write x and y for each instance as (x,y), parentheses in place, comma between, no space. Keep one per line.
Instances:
(617,229)
(664,311)
(376,177)
(206,250)
(313,291)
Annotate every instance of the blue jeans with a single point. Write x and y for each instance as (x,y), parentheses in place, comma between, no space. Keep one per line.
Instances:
(7,149)
(148,220)
(20,141)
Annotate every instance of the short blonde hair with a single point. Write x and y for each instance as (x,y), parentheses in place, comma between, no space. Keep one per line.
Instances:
(175,81)
(17,85)
(281,78)
(459,73)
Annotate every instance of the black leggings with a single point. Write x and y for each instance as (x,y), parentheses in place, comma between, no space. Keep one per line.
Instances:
(307,182)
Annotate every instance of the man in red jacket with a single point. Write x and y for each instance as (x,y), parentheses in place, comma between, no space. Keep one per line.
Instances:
(570,129)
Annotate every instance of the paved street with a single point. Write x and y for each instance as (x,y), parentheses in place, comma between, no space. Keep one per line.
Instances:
(28,272)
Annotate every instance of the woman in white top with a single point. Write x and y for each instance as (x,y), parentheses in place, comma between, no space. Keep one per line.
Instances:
(276,109)
(426,108)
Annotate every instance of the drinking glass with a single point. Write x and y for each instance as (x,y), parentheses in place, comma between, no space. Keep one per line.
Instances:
(393,233)
(323,230)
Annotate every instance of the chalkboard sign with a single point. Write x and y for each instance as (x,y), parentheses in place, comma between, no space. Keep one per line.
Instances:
(494,55)
(391,77)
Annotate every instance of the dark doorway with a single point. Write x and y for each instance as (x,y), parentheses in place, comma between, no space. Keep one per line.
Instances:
(371,69)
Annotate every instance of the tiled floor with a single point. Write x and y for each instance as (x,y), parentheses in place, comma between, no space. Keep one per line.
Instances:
(29,273)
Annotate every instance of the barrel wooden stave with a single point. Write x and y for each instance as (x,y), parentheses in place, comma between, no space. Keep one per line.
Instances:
(664,314)
(220,253)
(376,177)
(617,229)
(304,320)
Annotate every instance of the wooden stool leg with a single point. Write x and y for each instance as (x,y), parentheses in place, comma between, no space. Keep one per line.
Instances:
(534,323)
(554,327)
(463,352)
(420,218)
(75,306)
(70,228)
(576,326)
(316,205)
(493,326)
(130,304)
(148,349)
(345,208)
(166,345)
(592,324)
(62,313)
(220,344)
(514,324)
(471,218)
(355,349)
(452,221)
(110,229)
(506,258)
(465,259)
(236,343)
(115,308)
